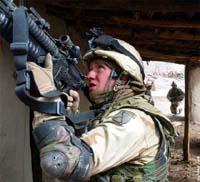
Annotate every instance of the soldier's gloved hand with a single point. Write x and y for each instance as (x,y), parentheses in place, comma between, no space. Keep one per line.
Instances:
(43,77)
(71,100)
(73,104)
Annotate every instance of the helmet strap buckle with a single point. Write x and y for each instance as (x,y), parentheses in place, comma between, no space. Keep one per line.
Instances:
(118,82)
(117,85)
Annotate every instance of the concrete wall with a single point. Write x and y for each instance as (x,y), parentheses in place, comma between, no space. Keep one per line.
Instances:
(15,160)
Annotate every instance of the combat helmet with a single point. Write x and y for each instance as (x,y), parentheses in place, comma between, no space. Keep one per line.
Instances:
(119,51)
(173,84)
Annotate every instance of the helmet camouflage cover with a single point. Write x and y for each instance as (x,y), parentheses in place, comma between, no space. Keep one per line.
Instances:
(125,62)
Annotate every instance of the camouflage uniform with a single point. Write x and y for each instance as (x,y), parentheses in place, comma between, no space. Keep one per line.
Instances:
(130,139)
(175,96)
(127,141)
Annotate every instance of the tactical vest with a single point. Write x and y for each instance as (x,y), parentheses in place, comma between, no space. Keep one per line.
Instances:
(176,94)
(156,170)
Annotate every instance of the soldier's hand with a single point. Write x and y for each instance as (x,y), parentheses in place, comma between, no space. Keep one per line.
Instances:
(75,101)
(43,77)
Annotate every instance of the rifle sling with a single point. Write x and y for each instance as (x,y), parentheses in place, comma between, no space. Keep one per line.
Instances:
(19,47)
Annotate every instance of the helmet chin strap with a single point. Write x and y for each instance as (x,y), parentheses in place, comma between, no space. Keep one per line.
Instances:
(117,85)
(118,77)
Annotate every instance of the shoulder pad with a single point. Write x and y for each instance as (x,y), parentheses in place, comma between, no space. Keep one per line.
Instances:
(123,117)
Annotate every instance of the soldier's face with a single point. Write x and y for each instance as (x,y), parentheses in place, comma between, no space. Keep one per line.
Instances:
(99,76)
(174,86)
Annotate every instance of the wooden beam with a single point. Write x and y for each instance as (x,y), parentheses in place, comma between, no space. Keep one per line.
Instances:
(157,33)
(185,48)
(186,139)
(125,18)
(179,35)
(148,54)
(156,23)
(128,5)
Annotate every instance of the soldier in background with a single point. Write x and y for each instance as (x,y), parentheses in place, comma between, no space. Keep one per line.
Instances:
(149,85)
(175,95)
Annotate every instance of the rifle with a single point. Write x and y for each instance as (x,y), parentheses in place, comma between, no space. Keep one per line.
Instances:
(27,33)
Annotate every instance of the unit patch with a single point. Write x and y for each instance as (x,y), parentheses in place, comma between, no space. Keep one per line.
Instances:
(123,117)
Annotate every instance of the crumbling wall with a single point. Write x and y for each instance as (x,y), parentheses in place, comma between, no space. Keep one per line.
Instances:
(15,157)
(195,93)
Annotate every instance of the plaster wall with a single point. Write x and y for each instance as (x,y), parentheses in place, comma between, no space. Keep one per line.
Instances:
(195,91)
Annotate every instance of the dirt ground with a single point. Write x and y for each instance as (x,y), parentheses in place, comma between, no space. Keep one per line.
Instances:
(178,169)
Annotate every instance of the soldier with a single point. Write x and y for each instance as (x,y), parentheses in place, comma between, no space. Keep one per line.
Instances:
(149,84)
(175,95)
(128,140)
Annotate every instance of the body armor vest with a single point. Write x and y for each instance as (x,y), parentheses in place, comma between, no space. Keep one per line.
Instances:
(156,170)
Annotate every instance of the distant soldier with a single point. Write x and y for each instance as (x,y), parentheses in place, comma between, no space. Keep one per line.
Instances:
(175,96)
(148,86)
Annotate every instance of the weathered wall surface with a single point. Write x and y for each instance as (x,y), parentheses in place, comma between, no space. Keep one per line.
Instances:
(15,163)
(195,91)
(15,151)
